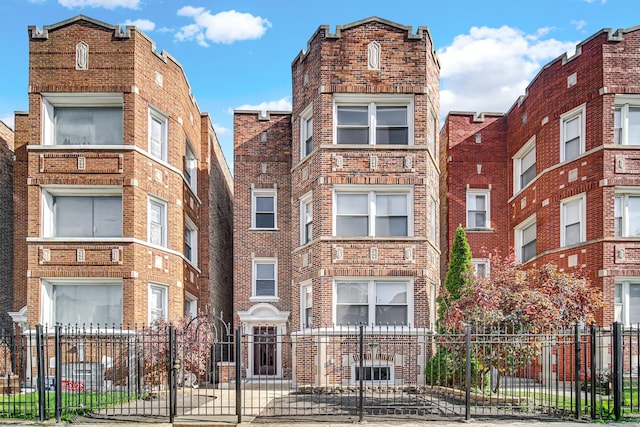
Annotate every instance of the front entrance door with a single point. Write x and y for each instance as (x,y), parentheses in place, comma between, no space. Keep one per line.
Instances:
(264,350)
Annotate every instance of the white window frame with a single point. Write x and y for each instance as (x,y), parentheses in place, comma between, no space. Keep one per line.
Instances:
(476,263)
(191,168)
(372,191)
(305,288)
(623,194)
(433,292)
(306,218)
(372,102)
(305,117)
(433,222)
(519,167)
(486,192)
(164,289)
(519,237)
(622,309)
(432,143)
(581,200)
(579,113)
(372,302)
(154,200)
(264,192)
(193,241)
(48,192)
(254,278)
(52,100)
(163,119)
(623,103)
(47,308)
(191,305)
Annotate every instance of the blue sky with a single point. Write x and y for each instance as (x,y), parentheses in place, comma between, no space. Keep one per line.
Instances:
(238,54)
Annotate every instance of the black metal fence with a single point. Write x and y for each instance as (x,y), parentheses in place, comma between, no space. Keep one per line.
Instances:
(201,369)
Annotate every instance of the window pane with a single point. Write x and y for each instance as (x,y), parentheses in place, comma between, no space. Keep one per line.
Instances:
(395,204)
(572,235)
(572,129)
(572,212)
(634,126)
(88,125)
(391,116)
(634,303)
(107,216)
(352,226)
(265,288)
(618,294)
(264,204)
(352,293)
(353,115)
(352,314)
(391,226)
(73,216)
(265,220)
(349,204)
(572,149)
(265,271)
(528,251)
(529,233)
(633,209)
(527,176)
(87,304)
(391,315)
(391,293)
(392,136)
(353,135)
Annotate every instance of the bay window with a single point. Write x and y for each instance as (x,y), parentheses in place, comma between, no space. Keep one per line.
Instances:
(627,120)
(372,302)
(86,301)
(627,213)
(627,301)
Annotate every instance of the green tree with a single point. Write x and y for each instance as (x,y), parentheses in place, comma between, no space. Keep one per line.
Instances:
(459,272)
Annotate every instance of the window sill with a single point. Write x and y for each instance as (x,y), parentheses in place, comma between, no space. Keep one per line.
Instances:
(263,229)
(264,299)
(479,230)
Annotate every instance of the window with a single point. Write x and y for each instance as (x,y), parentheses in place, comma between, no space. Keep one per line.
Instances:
(157,302)
(525,238)
(190,305)
(83,119)
(433,221)
(191,168)
(263,206)
(524,165)
(481,266)
(306,219)
(375,302)
(87,301)
(627,120)
(433,135)
(627,301)
(385,121)
(477,208)
(572,134)
(306,132)
(264,278)
(190,241)
(158,132)
(306,305)
(572,214)
(157,223)
(377,213)
(373,373)
(627,215)
(79,212)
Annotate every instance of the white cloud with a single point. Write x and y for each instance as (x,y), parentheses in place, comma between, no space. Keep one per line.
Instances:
(223,27)
(7,119)
(107,4)
(283,104)
(143,24)
(579,24)
(221,130)
(489,68)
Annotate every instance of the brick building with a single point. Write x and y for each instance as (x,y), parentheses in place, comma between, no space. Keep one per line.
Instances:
(122,194)
(336,203)
(556,178)
(6,225)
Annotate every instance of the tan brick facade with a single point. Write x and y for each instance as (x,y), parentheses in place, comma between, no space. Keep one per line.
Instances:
(602,76)
(365,63)
(85,63)
(6,225)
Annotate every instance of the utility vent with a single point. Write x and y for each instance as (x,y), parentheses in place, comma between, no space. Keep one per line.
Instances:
(81,163)
(80,255)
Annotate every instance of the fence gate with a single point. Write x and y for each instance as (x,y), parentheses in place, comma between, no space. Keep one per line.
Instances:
(203,351)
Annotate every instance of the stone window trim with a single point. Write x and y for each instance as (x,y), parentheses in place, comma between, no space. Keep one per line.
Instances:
(258,213)
(478,205)
(255,277)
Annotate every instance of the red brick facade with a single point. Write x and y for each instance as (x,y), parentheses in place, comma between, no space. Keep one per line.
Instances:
(82,62)
(603,75)
(362,64)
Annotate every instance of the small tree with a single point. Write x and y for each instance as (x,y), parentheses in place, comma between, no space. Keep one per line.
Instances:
(459,272)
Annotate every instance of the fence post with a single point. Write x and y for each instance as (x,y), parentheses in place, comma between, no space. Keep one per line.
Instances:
(361,376)
(173,368)
(617,370)
(42,394)
(578,385)
(593,354)
(467,399)
(58,356)
(238,373)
